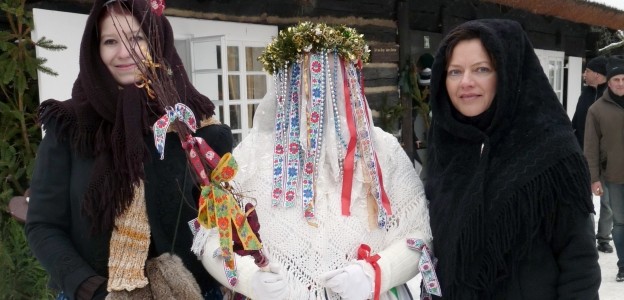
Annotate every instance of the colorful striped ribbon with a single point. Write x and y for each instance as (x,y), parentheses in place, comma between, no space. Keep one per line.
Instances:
(217,206)
(179,112)
(426,265)
(315,121)
(218,209)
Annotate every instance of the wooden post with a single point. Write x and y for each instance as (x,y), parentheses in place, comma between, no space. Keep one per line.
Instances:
(407,126)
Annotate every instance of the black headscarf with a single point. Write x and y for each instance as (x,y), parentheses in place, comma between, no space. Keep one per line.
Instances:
(493,188)
(109,122)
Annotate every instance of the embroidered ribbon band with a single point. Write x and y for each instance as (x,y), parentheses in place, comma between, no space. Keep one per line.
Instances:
(426,265)
(179,112)
(218,209)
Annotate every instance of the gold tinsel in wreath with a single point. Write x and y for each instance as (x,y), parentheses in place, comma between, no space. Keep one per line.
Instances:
(292,43)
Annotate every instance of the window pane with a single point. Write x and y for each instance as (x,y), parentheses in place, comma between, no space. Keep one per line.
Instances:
(235,116)
(551,73)
(237,138)
(207,55)
(220,111)
(251,111)
(256,86)
(234,87)
(183,50)
(209,85)
(251,57)
(232,53)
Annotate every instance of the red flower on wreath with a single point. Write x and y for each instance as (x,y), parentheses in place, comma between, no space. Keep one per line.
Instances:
(157,6)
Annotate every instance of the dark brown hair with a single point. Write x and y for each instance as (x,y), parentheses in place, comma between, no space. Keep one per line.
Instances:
(459,34)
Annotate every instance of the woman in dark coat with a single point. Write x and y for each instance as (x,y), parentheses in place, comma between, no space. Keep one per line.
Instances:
(509,189)
(98,165)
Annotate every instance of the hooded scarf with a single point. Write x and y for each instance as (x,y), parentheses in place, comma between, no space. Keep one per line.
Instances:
(108,122)
(495,188)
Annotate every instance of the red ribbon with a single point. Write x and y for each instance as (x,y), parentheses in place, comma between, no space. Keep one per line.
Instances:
(349,162)
(210,156)
(363,253)
(384,197)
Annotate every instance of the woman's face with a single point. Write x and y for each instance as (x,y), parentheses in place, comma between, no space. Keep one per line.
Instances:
(120,38)
(470,78)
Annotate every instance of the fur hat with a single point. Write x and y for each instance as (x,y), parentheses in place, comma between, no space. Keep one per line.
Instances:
(615,66)
(598,65)
(424,77)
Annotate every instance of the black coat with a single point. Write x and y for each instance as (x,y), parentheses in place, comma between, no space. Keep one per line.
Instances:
(59,234)
(510,199)
(589,95)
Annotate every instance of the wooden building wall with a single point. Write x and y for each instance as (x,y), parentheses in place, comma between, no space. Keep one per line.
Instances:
(373,18)
(545,32)
(377,20)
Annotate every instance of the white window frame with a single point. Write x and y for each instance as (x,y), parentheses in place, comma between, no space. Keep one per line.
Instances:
(553,64)
(228,34)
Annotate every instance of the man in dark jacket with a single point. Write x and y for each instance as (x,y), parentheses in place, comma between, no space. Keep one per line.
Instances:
(596,83)
(595,77)
(604,147)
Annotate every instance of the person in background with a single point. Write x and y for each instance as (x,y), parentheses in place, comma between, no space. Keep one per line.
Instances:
(595,77)
(604,146)
(104,210)
(510,204)
(423,71)
(596,83)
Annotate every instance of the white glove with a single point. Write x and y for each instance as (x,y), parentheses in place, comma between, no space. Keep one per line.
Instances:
(350,282)
(271,285)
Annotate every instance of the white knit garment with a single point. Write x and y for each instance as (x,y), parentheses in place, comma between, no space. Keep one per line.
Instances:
(306,251)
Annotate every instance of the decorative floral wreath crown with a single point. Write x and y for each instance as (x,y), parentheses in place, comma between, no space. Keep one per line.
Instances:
(305,37)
